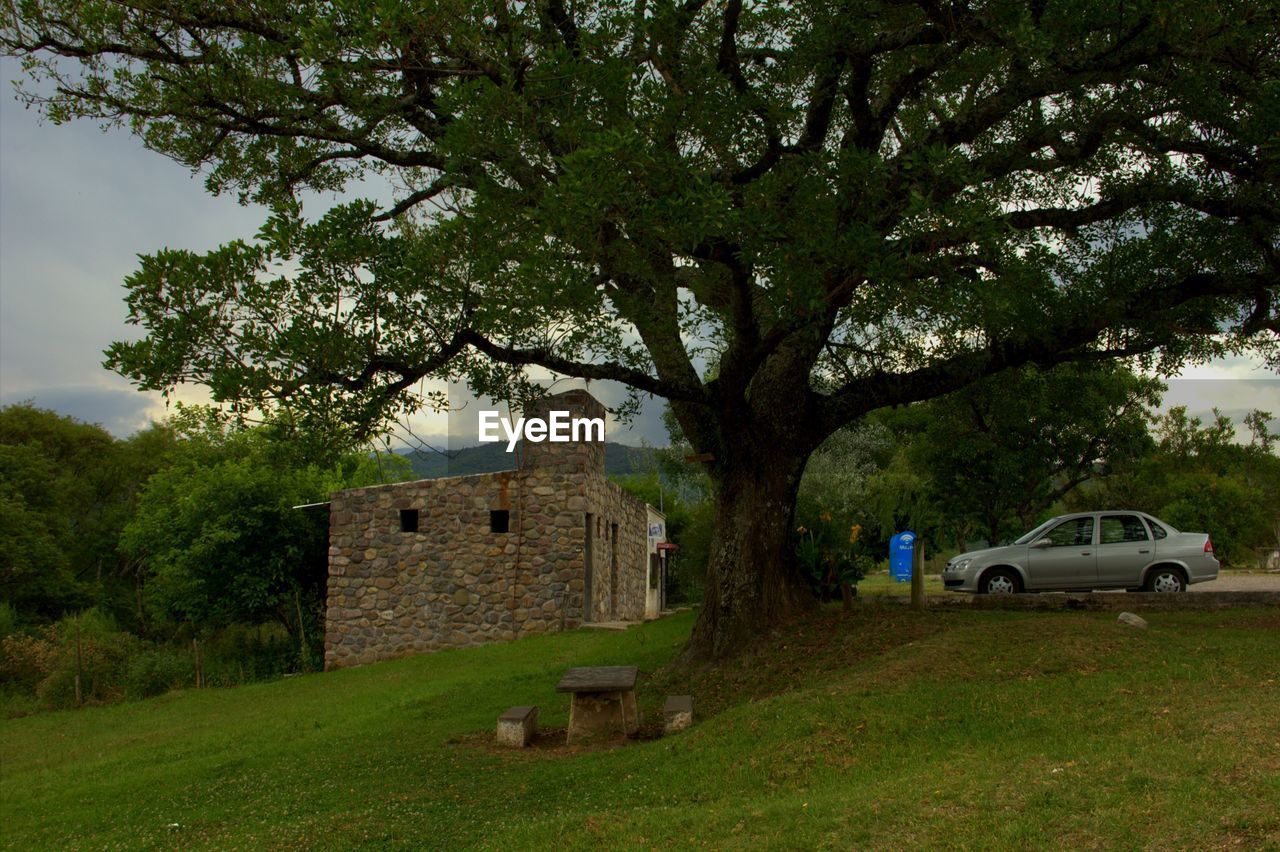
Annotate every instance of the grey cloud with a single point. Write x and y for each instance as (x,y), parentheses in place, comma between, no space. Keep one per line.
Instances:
(76,208)
(121,412)
(1233,397)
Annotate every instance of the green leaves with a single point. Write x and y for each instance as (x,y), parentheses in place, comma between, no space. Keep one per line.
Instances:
(217,531)
(914,188)
(66,488)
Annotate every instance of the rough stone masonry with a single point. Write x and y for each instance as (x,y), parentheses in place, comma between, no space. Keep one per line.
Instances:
(448,563)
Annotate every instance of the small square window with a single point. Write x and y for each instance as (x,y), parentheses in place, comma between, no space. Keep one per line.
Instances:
(408,520)
(500,521)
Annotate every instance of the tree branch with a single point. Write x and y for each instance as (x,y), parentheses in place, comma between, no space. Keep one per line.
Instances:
(606,371)
(1051,344)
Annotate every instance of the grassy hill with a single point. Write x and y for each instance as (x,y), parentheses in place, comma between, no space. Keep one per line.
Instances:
(886,729)
(619,459)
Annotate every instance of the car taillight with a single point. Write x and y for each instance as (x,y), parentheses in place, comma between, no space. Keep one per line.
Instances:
(1208,545)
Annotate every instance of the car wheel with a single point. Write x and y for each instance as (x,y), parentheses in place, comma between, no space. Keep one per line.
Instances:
(1166,580)
(1001,581)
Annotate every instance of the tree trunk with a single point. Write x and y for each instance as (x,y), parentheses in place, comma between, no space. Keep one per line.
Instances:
(752,579)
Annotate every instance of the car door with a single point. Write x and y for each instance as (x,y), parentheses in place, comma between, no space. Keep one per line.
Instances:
(1124,549)
(1161,545)
(1067,561)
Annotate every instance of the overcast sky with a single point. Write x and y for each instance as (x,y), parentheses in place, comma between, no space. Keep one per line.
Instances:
(77,206)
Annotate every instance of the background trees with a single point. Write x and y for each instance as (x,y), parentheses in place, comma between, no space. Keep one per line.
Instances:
(988,463)
(1002,451)
(220,538)
(66,489)
(210,548)
(116,554)
(1198,478)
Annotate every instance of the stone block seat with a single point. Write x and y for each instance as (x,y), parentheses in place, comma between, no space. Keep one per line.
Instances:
(518,726)
(677,714)
(603,703)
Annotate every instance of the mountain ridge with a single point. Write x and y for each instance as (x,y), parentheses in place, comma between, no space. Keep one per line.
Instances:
(619,460)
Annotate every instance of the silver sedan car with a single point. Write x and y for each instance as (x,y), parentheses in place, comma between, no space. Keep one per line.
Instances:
(1088,550)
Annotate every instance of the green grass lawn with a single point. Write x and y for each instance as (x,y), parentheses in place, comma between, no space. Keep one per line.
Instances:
(884,584)
(883,729)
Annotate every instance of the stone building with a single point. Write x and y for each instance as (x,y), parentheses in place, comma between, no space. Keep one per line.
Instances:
(466,560)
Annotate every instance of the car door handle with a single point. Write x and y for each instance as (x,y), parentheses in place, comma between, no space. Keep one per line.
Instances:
(1144,551)
(1086,553)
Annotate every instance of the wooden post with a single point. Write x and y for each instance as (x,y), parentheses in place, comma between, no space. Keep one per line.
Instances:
(195,645)
(79,667)
(304,661)
(917,574)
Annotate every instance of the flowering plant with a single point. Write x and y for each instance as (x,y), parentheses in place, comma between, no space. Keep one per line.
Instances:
(828,557)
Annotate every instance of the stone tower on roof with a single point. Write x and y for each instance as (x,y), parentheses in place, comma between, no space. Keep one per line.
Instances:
(585,455)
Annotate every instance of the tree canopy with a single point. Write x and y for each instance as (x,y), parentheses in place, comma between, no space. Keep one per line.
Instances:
(846,205)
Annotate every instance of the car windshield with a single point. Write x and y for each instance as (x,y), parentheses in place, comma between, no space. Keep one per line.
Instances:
(1035,533)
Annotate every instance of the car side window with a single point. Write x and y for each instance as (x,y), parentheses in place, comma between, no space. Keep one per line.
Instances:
(1077,532)
(1157,532)
(1118,529)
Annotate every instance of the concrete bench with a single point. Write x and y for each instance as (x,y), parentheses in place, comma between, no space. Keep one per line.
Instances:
(604,701)
(518,726)
(677,714)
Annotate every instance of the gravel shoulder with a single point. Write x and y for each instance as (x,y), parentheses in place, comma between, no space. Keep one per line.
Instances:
(1230,581)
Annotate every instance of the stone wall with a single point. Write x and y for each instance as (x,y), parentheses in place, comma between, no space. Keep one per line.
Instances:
(620,538)
(455,582)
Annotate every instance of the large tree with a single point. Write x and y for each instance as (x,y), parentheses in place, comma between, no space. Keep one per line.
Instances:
(845,205)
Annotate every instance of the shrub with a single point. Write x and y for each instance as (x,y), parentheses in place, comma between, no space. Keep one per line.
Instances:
(829,557)
(241,653)
(89,645)
(155,671)
(15,702)
(26,660)
(8,619)
(39,671)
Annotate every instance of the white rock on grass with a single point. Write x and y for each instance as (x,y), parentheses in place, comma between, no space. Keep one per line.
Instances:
(1132,620)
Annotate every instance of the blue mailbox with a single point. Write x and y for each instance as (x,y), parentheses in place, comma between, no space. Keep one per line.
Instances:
(900,548)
